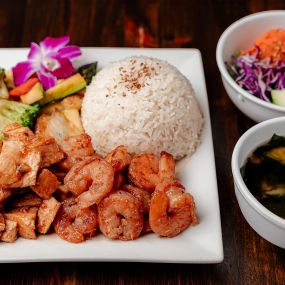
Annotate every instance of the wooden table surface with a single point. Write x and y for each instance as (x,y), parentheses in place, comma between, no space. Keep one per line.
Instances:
(249,259)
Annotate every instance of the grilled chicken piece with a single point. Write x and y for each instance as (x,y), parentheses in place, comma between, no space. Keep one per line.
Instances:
(76,149)
(4,195)
(10,233)
(26,200)
(18,165)
(22,155)
(46,214)
(46,184)
(10,158)
(25,217)
(41,125)
(17,132)
(2,223)
(50,151)
(29,169)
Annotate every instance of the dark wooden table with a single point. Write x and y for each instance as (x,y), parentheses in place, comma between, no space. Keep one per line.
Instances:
(249,259)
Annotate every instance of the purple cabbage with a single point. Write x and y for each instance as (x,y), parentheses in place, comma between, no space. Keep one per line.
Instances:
(257,76)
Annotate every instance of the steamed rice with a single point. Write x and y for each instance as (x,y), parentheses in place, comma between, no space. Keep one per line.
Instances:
(145,104)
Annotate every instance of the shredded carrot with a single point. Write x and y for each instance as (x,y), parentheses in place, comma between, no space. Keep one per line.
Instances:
(271,45)
(24,87)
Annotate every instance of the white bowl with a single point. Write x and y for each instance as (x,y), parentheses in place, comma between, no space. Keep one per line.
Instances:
(240,36)
(264,222)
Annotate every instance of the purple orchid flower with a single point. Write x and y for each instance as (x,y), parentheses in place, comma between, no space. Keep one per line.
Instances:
(50,60)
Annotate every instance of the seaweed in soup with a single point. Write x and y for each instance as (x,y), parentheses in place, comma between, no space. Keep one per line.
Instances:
(264,174)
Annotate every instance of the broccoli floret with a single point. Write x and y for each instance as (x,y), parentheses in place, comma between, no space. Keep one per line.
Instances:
(11,111)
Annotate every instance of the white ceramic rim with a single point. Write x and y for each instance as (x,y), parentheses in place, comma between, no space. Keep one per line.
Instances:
(221,64)
(242,188)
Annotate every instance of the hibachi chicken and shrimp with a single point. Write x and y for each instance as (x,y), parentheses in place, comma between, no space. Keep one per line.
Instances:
(52,179)
(69,188)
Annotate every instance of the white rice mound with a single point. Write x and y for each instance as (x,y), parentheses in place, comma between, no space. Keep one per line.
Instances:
(145,104)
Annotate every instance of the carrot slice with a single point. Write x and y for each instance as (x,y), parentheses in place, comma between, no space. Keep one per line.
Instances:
(24,87)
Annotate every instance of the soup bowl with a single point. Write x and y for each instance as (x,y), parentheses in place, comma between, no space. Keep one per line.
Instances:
(268,225)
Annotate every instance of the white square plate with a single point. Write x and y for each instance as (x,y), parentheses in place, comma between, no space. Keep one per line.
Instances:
(198,244)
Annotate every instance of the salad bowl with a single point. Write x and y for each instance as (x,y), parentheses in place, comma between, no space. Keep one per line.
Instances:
(240,36)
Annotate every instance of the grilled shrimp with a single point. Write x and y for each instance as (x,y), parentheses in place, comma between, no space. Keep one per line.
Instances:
(166,166)
(74,224)
(143,171)
(119,158)
(144,197)
(93,175)
(119,180)
(171,209)
(120,216)
(146,170)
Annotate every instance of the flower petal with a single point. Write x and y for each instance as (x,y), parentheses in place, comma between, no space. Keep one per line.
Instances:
(69,52)
(47,79)
(49,64)
(22,71)
(54,44)
(65,69)
(35,52)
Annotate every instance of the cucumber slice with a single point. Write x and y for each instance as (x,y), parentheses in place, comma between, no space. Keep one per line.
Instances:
(278,97)
(34,95)
(63,89)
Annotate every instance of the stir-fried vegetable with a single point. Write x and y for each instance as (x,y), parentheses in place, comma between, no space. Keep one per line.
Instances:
(264,174)
(58,125)
(42,81)
(24,87)
(3,88)
(66,87)
(11,111)
(88,71)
